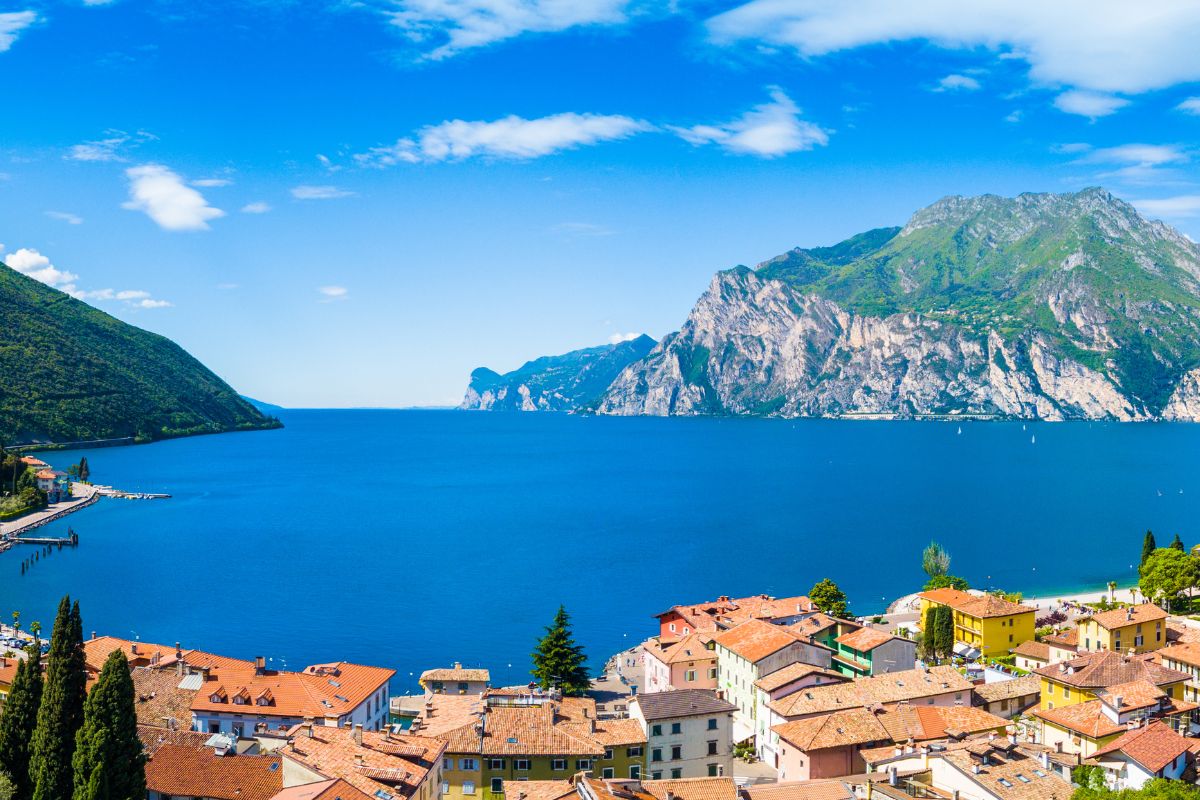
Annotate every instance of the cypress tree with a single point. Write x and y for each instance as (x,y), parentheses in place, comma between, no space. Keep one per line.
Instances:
(943,627)
(18,721)
(1148,547)
(109,763)
(61,710)
(1177,543)
(929,633)
(559,660)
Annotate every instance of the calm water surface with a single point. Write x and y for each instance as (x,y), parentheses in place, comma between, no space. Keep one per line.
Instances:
(415,538)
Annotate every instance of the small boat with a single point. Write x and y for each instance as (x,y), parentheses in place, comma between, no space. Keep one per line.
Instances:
(1033,439)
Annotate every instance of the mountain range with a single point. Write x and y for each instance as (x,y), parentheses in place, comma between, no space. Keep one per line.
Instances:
(1042,306)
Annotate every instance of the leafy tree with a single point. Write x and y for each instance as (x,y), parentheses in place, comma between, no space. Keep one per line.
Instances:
(1177,543)
(61,712)
(109,763)
(935,560)
(559,660)
(1088,776)
(8,790)
(929,634)
(1167,574)
(943,631)
(1148,547)
(18,721)
(947,582)
(1156,789)
(829,598)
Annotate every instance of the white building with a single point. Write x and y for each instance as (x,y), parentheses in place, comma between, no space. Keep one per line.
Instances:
(688,733)
(1152,751)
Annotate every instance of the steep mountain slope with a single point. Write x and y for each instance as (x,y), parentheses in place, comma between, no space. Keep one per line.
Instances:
(567,382)
(73,373)
(1046,306)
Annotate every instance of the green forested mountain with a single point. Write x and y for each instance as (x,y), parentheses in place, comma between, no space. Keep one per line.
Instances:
(69,372)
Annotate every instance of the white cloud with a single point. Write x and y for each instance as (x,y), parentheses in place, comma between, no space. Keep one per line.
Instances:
(583,229)
(30,262)
(769,130)
(955,82)
(1148,154)
(11,25)
(331,293)
(317,193)
(617,338)
(1181,206)
(211,182)
(512,137)
(1014,116)
(1104,46)
(256,208)
(110,148)
(458,25)
(167,199)
(1092,105)
(1190,106)
(70,219)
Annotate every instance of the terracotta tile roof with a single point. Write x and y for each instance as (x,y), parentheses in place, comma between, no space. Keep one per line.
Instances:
(755,640)
(139,654)
(1065,639)
(1032,649)
(1013,775)
(158,698)
(191,771)
(154,736)
(1009,690)
(726,612)
(323,790)
(799,790)
(817,623)
(443,713)
(456,673)
(394,763)
(1121,617)
(855,726)
(1178,633)
(1133,695)
(891,687)
(690,648)
(322,690)
(1087,718)
(538,790)
(1187,653)
(693,788)
(30,461)
(1154,746)
(795,672)
(610,789)
(681,703)
(530,730)
(607,732)
(865,639)
(8,670)
(983,606)
(937,722)
(1106,668)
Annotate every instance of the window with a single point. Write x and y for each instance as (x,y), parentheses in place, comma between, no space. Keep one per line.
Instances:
(521,764)
(497,785)
(635,772)
(608,754)
(495,763)
(1066,692)
(558,764)
(712,747)
(712,673)
(712,724)
(462,688)
(676,727)
(676,773)
(607,772)
(633,752)
(445,787)
(656,730)
(690,675)
(447,763)
(715,770)
(468,787)
(1010,638)
(467,764)
(583,764)
(656,776)
(656,754)
(676,753)
(672,627)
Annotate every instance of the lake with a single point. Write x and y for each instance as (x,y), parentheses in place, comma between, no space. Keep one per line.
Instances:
(412,539)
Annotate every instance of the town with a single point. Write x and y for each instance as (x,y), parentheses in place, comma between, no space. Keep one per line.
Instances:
(957,694)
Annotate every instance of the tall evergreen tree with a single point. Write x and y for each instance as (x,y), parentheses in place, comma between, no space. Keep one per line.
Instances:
(1177,543)
(18,721)
(1148,547)
(84,471)
(943,631)
(61,712)
(109,763)
(558,660)
(929,633)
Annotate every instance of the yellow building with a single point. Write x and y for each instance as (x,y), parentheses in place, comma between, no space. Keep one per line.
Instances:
(984,623)
(1083,679)
(1140,629)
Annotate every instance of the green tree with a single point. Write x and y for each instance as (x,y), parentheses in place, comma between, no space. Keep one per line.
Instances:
(1177,543)
(1088,776)
(1167,574)
(61,712)
(947,582)
(943,631)
(1148,547)
(1156,789)
(827,596)
(84,472)
(935,560)
(109,763)
(929,634)
(559,660)
(18,722)
(8,790)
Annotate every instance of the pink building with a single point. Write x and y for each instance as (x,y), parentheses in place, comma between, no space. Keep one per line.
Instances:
(685,664)
(828,746)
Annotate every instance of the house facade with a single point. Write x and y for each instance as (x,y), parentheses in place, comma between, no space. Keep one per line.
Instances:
(983,624)
(689,733)
(455,680)
(1143,754)
(1137,629)
(684,664)
(867,651)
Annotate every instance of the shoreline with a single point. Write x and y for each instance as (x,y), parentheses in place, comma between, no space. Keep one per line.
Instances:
(908,604)
(15,528)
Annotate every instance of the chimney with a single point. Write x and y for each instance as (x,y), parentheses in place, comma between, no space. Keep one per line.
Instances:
(458,665)
(133,648)
(260,664)
(178,651)
(974,769)
(358,734)
(358,759)
(179,667)
(992,736)
(893,778)
(954,795)
(93,635)
(1117,702)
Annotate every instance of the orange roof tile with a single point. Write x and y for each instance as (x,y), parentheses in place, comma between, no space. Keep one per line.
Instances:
(538,790)
(692,788)
(974,605)
(1106,668)
(1087,718)
(855,726)
(755,640)
(725,612)
(799,790)
(323,790)
(1032,649)
(1133,615)
(1153,746)
(795,672)
(322,690)
(891,687)
(181,770)
(692,647)
(865,639)
(1187,653)
(394,763)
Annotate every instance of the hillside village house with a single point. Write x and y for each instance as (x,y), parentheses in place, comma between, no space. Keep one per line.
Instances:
(683,664)
(689,733)
(1143,754)
(867,651)
(1008,699)
(752,651)
(56,485)
(823,629)
(725,613)
(1136,629)
(455,680)
(8,671)
(1032,655)
(1062,646)
(780,684)
(1184,658)
(984,624)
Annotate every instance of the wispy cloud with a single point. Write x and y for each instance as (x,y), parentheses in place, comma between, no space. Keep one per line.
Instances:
(1141,164)
(443,28)
(330,294)
(1179,207)
(256,208)
(617,338)
(512,137)
(769,130)
(1092,105)
(166,198)
(957,83)
(112,147)
(1190,106)
(306,192)
(32,263)
(12,23)
(208,183)
(70,219)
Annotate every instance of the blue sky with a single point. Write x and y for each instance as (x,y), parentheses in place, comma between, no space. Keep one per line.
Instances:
(356,203)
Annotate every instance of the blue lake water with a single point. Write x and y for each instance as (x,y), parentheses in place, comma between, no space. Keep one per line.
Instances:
(415,538)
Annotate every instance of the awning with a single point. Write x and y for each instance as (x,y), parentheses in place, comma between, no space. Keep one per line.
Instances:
(966,651)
